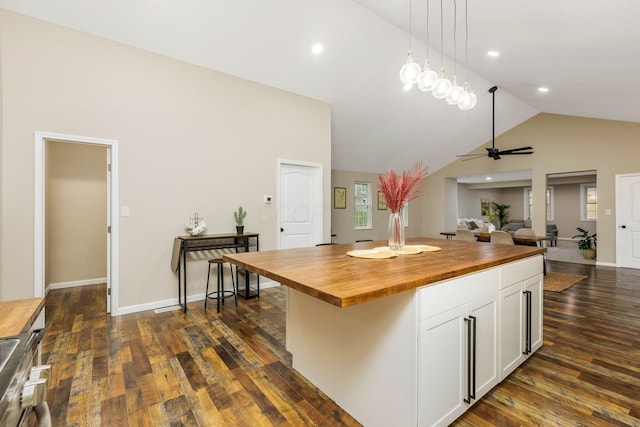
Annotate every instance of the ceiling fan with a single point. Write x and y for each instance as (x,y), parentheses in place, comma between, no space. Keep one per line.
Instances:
(493,152)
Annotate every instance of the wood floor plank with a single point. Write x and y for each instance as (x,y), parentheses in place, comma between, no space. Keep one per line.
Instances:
(232,368)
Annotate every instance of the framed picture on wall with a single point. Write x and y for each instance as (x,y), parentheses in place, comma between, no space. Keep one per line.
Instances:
(339,198)
(485,206)
(381,204)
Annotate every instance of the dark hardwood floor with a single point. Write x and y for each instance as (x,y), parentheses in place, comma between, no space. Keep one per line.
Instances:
(231,368)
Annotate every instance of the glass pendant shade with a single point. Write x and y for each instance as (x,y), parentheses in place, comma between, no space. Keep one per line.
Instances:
(428,78)
(442,87)
(456,93)
(468,100)
(410,71)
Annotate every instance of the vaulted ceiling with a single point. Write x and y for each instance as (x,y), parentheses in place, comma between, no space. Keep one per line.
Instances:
(586,53)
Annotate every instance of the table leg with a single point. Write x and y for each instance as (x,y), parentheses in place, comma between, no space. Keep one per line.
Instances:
(544,259)
(185,246)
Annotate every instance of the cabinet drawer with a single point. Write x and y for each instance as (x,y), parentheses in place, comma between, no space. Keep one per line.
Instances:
(451,293)
(518,271)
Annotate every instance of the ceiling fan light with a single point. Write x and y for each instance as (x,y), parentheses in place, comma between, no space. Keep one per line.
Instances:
(428,78)
(410,71)
(443,86)
(455,95)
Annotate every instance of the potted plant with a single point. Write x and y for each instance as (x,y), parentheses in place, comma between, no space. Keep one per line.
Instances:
(239,216)
(501,213)
(491,216)
(587,243)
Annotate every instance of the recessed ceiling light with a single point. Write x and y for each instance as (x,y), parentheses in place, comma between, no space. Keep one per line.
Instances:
(317,48)
(543,89)
(488,178)
(493,53)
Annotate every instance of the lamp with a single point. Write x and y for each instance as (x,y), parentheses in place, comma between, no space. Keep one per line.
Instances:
(468,100)
(443,85)
(456,92)
(410,71)
(427,79)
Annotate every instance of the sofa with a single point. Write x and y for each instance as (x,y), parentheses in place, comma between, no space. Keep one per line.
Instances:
(475,225)
(514,226)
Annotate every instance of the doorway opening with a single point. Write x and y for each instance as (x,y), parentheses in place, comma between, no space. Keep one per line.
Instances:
(110,228)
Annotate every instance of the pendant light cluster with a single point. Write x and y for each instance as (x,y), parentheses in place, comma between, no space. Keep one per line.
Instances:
(428,80)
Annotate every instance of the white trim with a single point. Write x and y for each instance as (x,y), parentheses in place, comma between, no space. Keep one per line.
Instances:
(583,200)
(618,205)
(527,210)
(169,303)
(85,282)
(606,264)
(39,209)
(369,205)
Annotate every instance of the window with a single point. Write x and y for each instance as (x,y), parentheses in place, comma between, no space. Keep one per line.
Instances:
(528,203)
(362,206)
(588,202)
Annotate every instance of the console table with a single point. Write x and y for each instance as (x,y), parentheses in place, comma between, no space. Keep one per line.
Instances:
(184,244)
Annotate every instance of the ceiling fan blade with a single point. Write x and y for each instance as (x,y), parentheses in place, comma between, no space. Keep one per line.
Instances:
(516,150)
(477,156)
(513,154)
(471,155)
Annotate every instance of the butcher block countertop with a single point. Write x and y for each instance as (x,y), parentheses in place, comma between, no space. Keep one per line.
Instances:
(17,316)
(329,274)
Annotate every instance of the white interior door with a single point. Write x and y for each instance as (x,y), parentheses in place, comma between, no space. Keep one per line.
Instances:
(300,209)
(628,221)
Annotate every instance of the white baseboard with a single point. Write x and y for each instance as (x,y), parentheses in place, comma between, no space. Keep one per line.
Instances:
(74,283)
(606,264)
(269,284)
(174,301)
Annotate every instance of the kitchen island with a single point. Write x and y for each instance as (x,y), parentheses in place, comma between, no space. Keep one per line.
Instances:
(410,340)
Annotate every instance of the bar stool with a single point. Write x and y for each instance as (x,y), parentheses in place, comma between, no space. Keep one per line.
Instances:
(220,293)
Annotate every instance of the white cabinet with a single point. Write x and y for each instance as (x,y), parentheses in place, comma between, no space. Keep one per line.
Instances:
(485,370)
(457,347)
(441,365)
(520,316)
(473,331)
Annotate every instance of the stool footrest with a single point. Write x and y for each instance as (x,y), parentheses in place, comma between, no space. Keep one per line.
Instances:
(225,294)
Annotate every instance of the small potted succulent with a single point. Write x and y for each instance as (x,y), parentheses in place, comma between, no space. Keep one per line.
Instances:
(587,243)
(239,216)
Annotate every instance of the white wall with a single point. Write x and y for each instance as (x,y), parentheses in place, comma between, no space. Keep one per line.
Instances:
(189,139)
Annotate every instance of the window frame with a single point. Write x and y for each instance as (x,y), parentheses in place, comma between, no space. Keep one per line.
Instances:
(357,205)
(549,203)
(584,188)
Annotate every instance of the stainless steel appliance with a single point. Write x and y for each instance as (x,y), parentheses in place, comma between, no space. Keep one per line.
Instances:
(23,386)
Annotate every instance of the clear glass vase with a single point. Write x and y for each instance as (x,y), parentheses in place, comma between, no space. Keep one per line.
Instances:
(396,231)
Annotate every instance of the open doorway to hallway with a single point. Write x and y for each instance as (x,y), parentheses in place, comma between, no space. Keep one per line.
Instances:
(67,175)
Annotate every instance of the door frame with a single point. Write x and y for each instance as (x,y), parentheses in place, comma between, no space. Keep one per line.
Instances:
(618,219)
(39,210)
(317,167)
